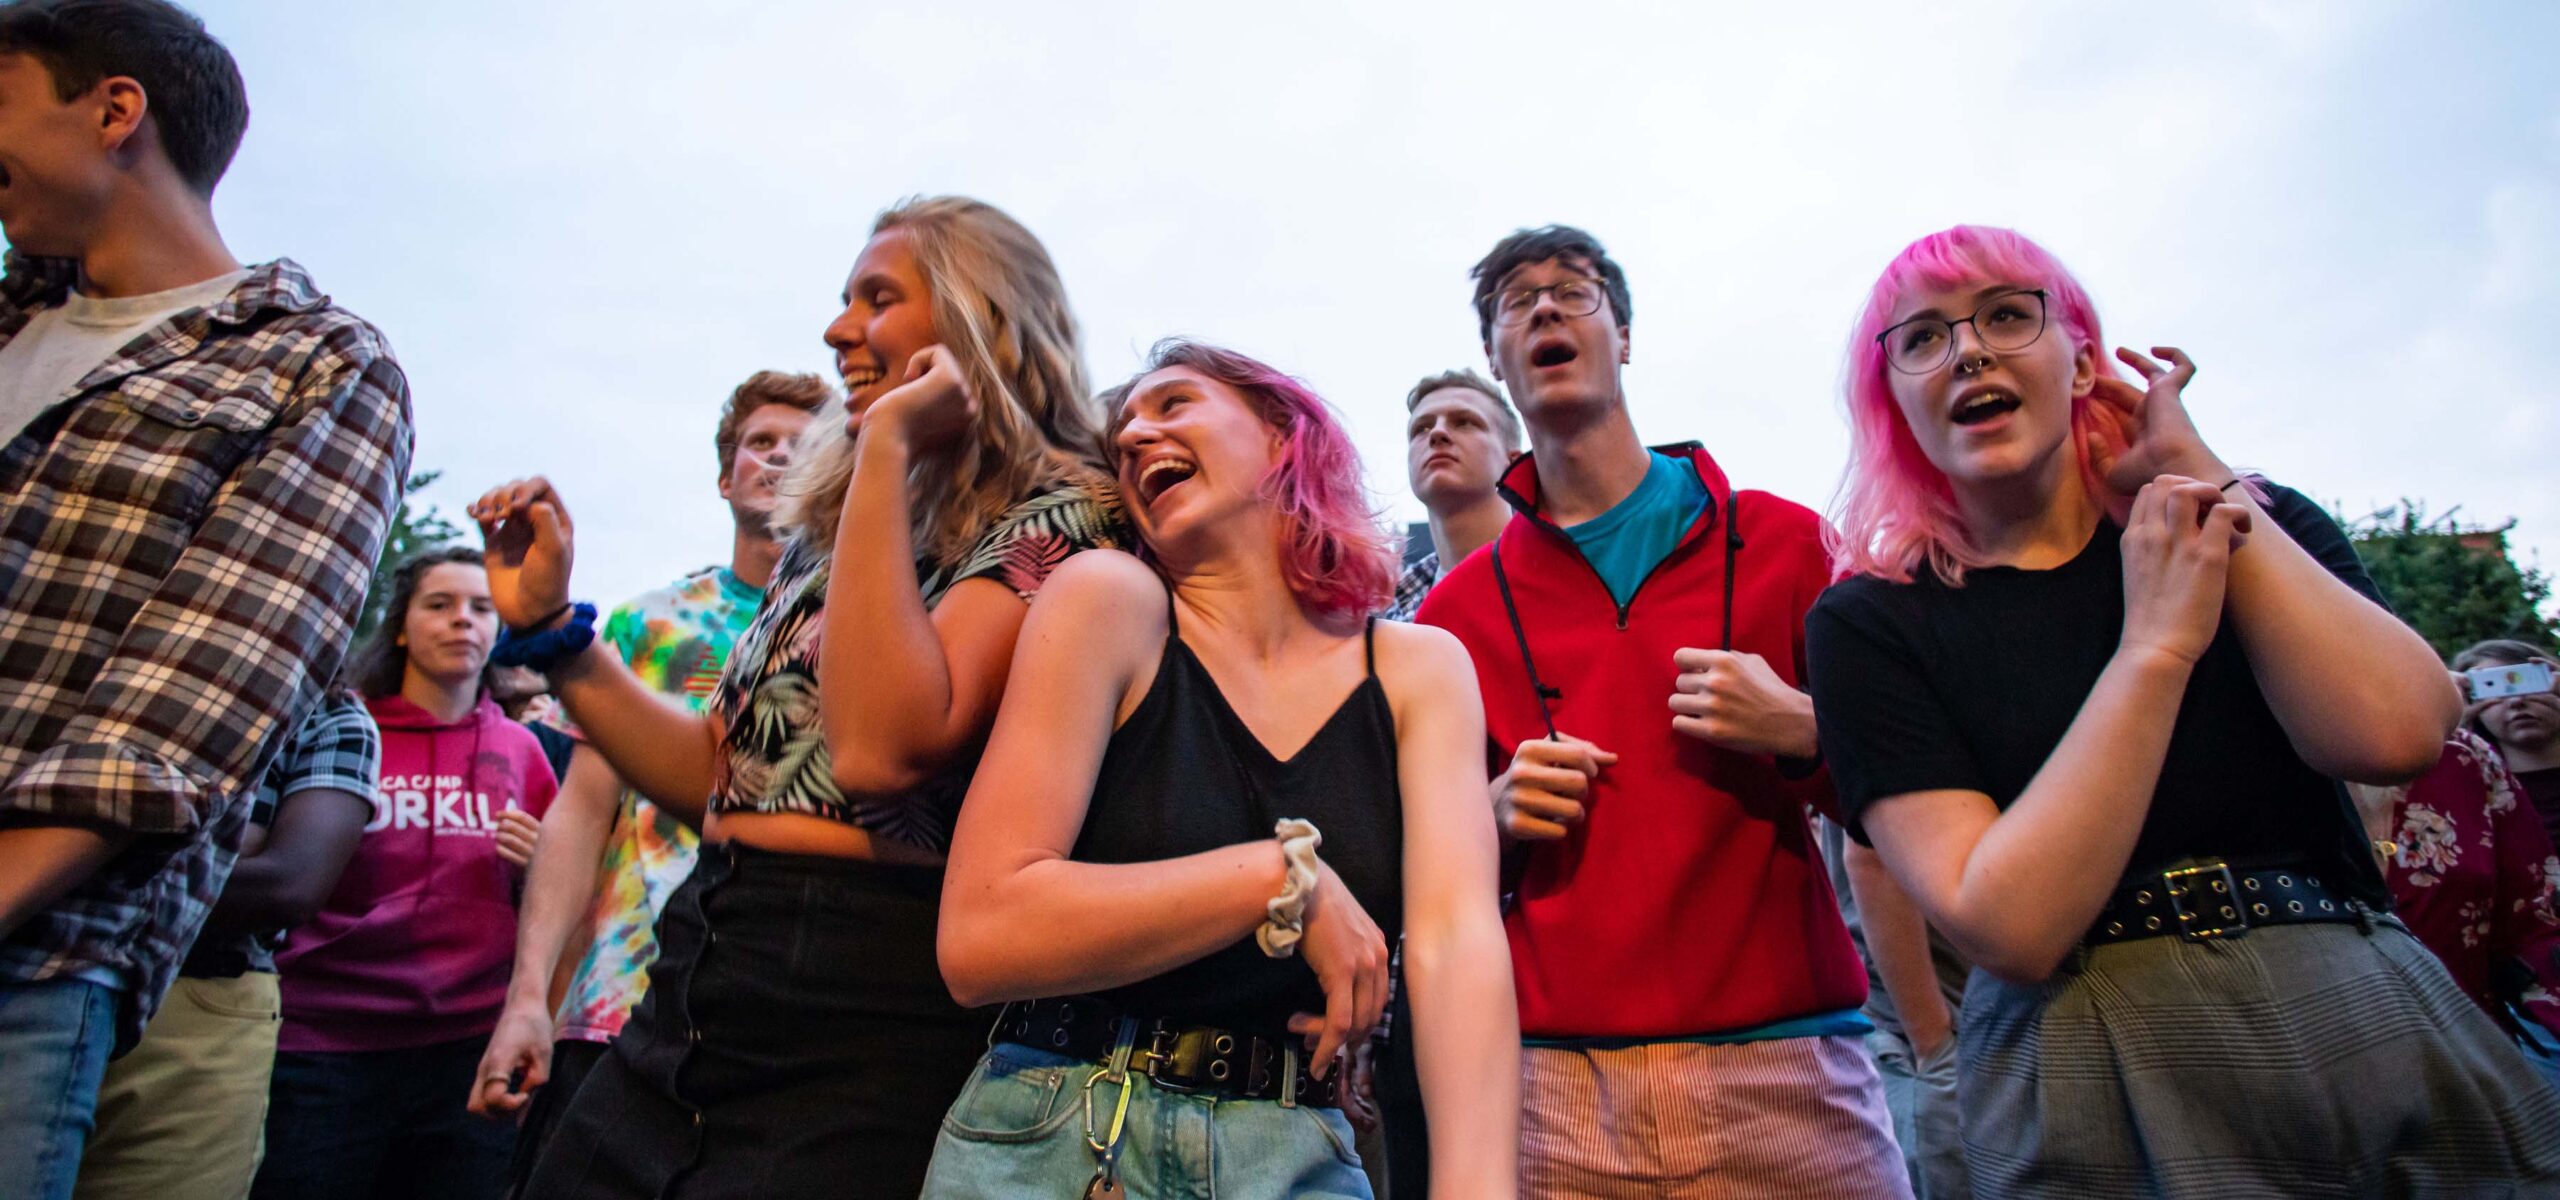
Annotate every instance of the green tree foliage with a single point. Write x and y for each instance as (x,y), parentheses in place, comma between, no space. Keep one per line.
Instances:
(412,530)
(2454,585)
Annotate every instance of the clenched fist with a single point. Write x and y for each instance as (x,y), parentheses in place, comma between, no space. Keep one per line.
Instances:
(1731,699)
(1542,792)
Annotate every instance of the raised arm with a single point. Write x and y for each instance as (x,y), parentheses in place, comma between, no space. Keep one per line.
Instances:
(1456,960)
(930,681)
(2016,890)
(2360,695)
(664,750)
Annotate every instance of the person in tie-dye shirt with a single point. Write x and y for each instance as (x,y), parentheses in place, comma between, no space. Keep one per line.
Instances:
(610,857)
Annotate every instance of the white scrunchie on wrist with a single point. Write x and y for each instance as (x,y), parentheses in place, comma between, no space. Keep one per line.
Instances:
(1285,917)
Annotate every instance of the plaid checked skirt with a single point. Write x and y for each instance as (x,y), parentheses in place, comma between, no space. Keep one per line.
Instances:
(2296,1061)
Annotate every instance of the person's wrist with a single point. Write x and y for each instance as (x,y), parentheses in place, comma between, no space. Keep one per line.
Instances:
(1285,915)
(2142,654)
(1804,736)
(883,435)
(553,616)
(2197,462)
(559,640)
(576,665)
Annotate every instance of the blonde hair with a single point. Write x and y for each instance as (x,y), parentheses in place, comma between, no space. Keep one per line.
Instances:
(999,308)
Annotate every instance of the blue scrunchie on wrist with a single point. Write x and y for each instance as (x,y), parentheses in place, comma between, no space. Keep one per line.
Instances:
(548,649)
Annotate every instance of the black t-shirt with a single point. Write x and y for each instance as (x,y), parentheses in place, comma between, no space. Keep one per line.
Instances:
(1920,686)
(556,747)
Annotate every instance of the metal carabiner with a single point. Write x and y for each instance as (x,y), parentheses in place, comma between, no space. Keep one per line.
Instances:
(1106,1149)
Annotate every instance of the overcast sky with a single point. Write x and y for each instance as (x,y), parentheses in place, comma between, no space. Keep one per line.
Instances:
(583,223)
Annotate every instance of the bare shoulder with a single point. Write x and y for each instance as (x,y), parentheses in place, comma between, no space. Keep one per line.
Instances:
(1424,663)
(1102,599)
(1099,580)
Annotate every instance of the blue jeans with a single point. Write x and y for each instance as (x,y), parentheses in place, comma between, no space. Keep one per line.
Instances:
(1922,1096)
(1018,1130)
(2541,1050)
(54,1041)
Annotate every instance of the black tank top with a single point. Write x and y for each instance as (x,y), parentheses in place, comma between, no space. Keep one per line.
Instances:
(1184,774)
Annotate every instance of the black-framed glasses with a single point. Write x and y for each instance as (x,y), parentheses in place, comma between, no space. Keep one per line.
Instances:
(2008,321)
(1574,298)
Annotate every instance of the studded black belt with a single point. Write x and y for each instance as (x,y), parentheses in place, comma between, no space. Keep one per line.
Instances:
(1176,1056)
(2213,899)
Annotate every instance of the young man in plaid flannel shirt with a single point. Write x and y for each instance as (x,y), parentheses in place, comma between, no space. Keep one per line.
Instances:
(197,465)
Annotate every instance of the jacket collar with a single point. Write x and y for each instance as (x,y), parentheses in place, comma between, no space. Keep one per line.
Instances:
(280,285)
(1519,485)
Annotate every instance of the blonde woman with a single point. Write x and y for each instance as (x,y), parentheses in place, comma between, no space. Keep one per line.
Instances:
(796,1038)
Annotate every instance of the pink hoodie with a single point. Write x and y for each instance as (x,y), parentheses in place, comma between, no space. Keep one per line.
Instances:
(414,947)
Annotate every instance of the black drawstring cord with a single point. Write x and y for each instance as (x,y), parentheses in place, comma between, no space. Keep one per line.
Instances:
(1732,546)
(1520,633)
(1502,583)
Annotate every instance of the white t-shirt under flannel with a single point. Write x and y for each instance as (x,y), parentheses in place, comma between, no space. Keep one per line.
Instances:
(62,344)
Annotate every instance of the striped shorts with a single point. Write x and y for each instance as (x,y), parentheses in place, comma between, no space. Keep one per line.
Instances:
(1791,1118)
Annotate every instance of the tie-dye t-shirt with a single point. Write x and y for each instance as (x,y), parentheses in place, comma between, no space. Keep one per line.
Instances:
(677,640)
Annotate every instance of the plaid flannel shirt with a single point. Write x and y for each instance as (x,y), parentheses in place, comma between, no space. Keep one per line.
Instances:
(1413,585)
(185,539)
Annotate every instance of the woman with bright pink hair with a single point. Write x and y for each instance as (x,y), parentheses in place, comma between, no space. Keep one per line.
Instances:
(2086,691)
(1216,790)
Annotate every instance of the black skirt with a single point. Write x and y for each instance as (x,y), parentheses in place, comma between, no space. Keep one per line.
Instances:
(796,1039)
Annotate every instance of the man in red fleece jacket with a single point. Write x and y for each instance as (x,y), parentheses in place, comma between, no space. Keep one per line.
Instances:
(1688,996)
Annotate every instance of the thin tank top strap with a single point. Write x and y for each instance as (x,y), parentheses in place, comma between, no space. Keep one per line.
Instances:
(1370,636)
(1172,619)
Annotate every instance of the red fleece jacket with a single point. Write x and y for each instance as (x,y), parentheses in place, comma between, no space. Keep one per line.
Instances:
(1691,899)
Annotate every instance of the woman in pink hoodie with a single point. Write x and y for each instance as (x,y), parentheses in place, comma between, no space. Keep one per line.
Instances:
(391,991)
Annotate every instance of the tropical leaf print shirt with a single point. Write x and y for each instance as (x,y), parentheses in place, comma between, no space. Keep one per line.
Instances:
(774,757)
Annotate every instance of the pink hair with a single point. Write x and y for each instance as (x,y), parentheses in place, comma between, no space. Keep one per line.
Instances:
(1895,510)
(1332,551)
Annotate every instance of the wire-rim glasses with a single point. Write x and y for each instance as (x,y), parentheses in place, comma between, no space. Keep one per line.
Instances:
(1573,297)
(2008,321)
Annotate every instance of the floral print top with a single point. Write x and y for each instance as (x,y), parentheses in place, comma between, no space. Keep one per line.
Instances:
(774,757)
(2474,875)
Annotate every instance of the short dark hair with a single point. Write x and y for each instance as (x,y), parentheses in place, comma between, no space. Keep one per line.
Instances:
(1469,380)
(1527,246)
(380,663)
(193,87)
(803,391)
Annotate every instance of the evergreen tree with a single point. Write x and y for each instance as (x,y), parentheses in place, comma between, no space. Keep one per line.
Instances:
(2455,586)
(412,531)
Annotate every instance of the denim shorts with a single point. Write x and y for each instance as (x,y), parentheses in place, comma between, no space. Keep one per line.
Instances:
(1018,1129)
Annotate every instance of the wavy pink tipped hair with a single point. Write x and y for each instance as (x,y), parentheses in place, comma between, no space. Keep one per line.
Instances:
(1332,551)
(1894,511)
